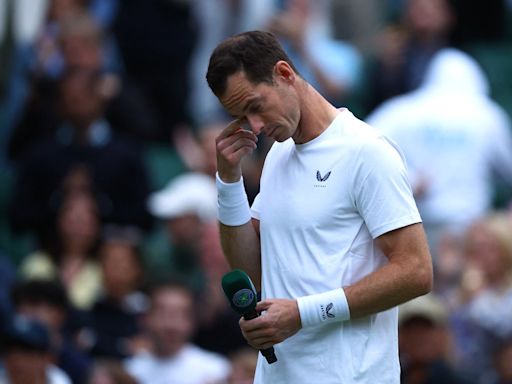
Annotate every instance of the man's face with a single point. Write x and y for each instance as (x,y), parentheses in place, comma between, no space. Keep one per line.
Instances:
(80,97)
(170,319)
(270,109)
(421,341)
(26,365)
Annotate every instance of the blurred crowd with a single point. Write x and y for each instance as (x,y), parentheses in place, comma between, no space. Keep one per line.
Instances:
(110,262)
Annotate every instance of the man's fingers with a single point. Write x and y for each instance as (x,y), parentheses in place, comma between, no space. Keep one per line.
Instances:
(263,305)
(232,127)
(243,137)
(233,148)
(262,343)
(260,338)
(251,325)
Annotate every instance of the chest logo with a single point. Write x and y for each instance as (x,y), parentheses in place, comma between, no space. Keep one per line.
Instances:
(321,178)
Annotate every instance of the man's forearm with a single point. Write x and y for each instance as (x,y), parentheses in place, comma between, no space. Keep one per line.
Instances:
(385,288)
(407,275)
(241,246)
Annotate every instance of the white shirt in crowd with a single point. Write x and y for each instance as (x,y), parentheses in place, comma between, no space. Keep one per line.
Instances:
(454,137)
(192,365)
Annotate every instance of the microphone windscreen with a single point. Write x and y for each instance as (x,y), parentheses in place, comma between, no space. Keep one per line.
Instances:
(239,291)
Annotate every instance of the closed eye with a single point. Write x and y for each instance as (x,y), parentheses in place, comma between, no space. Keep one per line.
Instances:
(255,108)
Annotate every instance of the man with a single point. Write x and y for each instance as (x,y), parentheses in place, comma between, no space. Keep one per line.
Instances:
(455,139)
(27,353)
(83,139)
(47,302)
(425,343)
(173,358)
(330,186)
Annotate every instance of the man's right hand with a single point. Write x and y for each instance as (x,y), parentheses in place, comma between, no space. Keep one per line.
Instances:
(233,144)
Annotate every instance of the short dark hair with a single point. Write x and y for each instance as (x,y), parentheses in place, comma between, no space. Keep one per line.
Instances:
(41,291)
(171,281)
(254,52)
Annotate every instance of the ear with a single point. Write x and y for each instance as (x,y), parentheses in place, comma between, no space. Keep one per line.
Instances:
(284,71)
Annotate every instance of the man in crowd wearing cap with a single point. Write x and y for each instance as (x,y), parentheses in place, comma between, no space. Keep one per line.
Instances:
(27,353)
(188,206)
(424,338)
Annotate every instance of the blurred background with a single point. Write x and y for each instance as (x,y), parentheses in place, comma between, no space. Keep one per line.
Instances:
(110,262)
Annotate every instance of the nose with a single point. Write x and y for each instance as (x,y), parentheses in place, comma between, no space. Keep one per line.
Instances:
(256,123)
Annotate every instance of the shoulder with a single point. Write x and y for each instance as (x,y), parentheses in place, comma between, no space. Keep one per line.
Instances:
(139,363)
(38,265)
(57,376)
(210,363)
(395,111)
(367,143)
(209,358)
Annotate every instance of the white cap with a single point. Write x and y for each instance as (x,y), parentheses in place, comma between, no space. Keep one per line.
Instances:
(428,307)
(188,193)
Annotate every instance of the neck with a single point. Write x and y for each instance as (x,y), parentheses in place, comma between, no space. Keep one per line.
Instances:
(316,115)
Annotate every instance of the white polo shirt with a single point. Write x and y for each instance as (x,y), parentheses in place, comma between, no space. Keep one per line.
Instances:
(320,206)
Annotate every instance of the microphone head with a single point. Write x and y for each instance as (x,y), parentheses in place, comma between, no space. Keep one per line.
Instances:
(239,291)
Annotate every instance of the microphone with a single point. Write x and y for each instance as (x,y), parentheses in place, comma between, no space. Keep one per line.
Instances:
(241,295)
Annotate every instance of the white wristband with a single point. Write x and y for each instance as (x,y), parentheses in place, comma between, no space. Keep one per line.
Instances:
(322,308)
(232,203)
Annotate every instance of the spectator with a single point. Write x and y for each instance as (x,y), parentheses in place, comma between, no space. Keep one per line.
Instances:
(26,354)
(405,49)
(332,66)
(68,252)
(169,324)
(116,314)
(482,321)
(46,302)
(48,61)
(188,205)
(424,342)
(80,43)
(84,139)
(156,39)
(455,139)
(243,364)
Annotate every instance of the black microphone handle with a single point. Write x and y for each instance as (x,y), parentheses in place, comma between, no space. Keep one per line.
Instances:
(268,353)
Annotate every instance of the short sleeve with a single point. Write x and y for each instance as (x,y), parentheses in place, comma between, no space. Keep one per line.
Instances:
(255,208)
(383,194)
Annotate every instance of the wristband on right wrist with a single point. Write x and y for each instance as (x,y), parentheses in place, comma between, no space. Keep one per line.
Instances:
(232,201)
(322,308)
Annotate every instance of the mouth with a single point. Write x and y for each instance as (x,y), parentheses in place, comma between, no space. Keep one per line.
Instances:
(271,130)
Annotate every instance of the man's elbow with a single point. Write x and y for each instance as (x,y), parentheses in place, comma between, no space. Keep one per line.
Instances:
(424,279)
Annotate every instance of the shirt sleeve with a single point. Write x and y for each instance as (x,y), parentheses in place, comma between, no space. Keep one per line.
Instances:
(255,208)
(383,194)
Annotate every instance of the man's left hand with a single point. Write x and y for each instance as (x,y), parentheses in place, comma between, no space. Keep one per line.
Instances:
(279,321)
